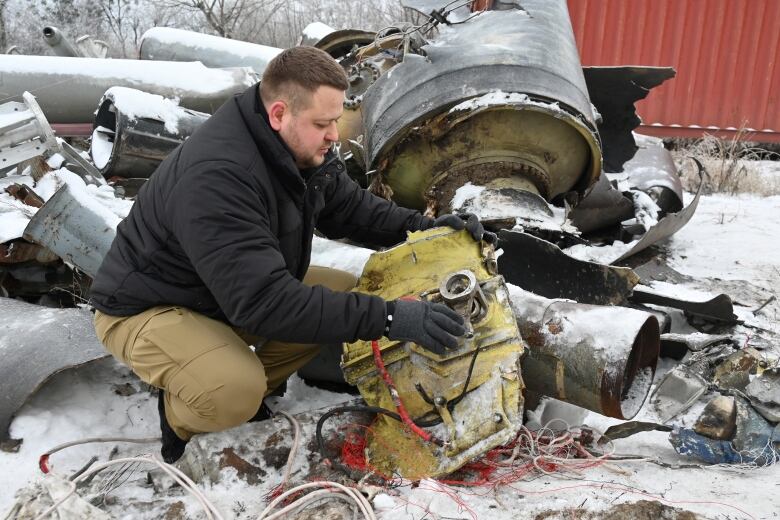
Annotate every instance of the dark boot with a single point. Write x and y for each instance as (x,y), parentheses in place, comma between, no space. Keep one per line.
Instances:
(263,413)
(172,446)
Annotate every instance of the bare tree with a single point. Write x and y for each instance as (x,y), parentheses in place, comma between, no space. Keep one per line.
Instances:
(3,32)
(224,16)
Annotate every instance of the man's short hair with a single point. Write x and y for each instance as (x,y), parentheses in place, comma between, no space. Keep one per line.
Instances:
(296,73)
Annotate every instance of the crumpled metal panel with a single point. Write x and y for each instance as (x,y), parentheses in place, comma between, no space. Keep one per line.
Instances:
(61,339)
(530,51)
(542,268)
(613,91)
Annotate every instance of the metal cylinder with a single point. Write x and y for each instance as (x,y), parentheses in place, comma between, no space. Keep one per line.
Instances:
(59,44)
(68,89)
(134,131)
(167,44)
(75,228)
(597,357)
(500,95)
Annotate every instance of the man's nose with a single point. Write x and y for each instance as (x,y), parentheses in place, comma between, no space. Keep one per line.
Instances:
(332,134)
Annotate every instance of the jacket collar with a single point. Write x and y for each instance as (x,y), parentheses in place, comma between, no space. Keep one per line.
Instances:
(271,146)
(273,150)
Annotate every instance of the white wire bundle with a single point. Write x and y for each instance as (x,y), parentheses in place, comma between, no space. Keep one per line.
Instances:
(183,480)
(331,490)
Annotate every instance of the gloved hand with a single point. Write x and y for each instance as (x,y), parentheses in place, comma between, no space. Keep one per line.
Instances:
(469,221)
(433,326)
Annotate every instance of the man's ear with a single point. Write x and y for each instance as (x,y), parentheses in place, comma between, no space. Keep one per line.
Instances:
(276,113)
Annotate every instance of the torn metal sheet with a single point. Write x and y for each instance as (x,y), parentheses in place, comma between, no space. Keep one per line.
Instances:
(652,170)
(20,251)
(80,166)
(603,206)
(668,225)
(720,308)
(61,339)
(602,358)
(75,228)
(764,394)
(83,81)
(614,91)
(713,451)
(678,345)
(521,114)
(134,131)
(169,44)
(542,268)
(677,391)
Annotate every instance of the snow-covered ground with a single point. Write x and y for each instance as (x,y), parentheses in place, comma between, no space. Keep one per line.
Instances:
(731,237)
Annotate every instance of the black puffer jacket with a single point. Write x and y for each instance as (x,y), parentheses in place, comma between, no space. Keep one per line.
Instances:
(225,225)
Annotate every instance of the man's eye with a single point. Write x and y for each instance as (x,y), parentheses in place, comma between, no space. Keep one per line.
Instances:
(321,126)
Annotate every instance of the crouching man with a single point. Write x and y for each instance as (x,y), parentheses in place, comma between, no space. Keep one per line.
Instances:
(214,256)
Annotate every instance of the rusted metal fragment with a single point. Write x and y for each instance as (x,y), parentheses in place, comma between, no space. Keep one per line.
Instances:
(627,429)
(24,193)
(602,358)
(542,268)
(719,308)
(603,206)
(18,251)
(613,91)
(719,419)
(61,339)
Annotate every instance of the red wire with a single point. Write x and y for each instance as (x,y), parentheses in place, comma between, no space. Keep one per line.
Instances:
(43,463)
(399,405)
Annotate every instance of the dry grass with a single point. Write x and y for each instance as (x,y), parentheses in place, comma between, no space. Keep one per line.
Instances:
(732,166)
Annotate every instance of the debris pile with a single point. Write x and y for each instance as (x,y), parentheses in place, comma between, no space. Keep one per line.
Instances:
(440,118)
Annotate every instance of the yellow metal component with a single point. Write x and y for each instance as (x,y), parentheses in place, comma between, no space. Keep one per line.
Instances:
(543,147)
(438,265)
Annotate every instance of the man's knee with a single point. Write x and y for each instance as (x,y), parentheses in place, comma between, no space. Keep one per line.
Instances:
(231,404)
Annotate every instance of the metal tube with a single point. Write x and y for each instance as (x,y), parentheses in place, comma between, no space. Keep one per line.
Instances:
(134,131)
(59,44)
(68,89)
(597,357)
(476,110)
(74,227)
(165,43)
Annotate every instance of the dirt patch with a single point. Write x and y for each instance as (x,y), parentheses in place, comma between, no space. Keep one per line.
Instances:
(641,510)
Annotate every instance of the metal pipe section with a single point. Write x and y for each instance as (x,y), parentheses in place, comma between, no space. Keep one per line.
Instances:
(74,227)
(473,109)
(68,89)
(59,44)
(599,358)
(167,44)
(134,131)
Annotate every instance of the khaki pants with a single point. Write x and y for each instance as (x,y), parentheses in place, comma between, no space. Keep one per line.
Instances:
(212,379)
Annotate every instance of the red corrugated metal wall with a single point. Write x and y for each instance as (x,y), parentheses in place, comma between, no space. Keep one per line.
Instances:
(725,52)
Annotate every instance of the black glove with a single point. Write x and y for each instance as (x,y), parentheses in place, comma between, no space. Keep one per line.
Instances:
(469,221)
(433,326)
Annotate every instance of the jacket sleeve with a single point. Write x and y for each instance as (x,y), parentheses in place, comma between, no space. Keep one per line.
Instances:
(354,213)
(227,237)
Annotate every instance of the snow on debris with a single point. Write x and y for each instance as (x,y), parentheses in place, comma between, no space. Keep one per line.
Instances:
(207,42)
(135,103)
